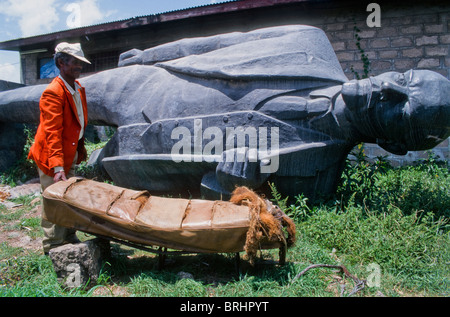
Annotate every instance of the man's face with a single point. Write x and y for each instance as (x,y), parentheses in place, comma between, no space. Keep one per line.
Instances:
(402,111)
(71,69)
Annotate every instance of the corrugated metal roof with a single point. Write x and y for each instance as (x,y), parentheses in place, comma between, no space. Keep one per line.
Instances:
(140,16)
(128,19)
(189,8)
(201,10)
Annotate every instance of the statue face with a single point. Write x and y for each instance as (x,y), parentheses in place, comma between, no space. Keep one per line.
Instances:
(402,111)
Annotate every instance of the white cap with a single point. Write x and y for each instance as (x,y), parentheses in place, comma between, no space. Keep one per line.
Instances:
(71,49)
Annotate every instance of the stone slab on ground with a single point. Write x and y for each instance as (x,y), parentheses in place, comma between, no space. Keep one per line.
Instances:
(7,193)
(25,190)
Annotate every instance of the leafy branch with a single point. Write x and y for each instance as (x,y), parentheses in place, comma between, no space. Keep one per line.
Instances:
(364,56)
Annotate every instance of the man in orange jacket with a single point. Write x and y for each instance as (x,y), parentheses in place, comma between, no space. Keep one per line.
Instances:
(59,140)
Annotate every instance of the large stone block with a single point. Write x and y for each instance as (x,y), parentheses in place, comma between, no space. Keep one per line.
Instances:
(77,265)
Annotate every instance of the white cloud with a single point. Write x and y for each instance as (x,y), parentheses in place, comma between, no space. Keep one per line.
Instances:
(33,17)
(10,72)
(84,13)
(91,13)
(43,16)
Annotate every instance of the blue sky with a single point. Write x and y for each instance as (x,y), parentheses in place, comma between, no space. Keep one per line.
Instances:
(24,18)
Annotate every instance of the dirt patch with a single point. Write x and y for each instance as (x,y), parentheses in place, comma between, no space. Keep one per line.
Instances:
(111,290)
(14,232)
(19,239)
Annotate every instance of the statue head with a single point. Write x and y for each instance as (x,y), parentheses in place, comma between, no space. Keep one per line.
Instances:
(400,111)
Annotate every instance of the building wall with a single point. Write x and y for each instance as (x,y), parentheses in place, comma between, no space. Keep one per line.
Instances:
(409,38)
(412,35)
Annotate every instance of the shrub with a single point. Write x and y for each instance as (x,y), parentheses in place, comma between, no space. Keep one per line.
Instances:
(423,188)
(24,169)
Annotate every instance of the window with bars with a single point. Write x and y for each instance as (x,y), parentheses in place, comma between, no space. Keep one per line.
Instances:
(101,61)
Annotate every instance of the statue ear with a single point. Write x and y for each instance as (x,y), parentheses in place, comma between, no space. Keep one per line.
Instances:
(393,147)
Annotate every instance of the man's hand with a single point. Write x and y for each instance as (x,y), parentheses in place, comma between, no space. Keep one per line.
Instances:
(60,176)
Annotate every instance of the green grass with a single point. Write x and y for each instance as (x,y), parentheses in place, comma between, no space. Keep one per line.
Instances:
(394,219)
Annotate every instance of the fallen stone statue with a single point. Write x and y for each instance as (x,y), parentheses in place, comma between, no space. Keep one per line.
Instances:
(204,115)
(245,223)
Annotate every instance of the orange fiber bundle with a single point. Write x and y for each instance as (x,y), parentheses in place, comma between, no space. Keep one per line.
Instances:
(266,221)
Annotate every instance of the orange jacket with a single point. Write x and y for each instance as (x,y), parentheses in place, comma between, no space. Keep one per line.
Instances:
(56,142)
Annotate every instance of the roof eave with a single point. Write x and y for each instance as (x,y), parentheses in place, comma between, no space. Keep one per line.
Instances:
(218,8)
